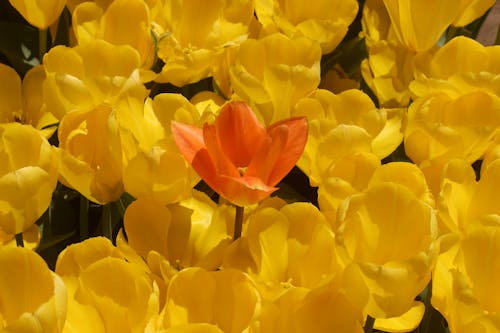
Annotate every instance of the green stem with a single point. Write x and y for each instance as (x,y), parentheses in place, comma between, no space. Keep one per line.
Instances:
(84,218)
(238,222)
(42,43)
(497,40)
(19,239)
(107,228)
(370,321)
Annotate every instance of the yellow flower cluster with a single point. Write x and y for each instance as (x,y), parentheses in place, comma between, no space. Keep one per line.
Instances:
(387,240)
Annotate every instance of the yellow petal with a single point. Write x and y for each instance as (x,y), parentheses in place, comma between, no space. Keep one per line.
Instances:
(407,322)
(10,94)
(386,276)
(128,22)
(160,173)
(287,70)
(33,299)
(41,14)
(196,295)
(480,247)
(147,223)
(317,22)
(413,24)
(471,10)
(91,157)
(77,257)
(483,202)
(267,235)
(121,292)
(406,174)
(314,314)
(28,176)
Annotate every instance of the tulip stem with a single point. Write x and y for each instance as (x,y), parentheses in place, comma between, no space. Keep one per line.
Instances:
(370,321)
(84,218)
(107,223)
(19,239)
(238,222)
(42,43)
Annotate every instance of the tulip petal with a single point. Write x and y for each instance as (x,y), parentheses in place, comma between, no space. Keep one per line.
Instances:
(10,93)
(240,132)
(223,164)
(266,159)
(189,139)
(295,144)
(147,223)
(245,190)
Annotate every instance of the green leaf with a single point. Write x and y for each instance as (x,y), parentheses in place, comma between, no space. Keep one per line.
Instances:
(49,242)
(19,46)
(122,203)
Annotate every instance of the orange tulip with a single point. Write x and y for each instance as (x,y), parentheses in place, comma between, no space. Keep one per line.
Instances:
(237,156)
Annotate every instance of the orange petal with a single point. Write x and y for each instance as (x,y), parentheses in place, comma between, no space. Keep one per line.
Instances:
(243,191)
(266,158)
(240,133)
(295,144)
(277,156)
(189,139)
(203,165)
(223,165)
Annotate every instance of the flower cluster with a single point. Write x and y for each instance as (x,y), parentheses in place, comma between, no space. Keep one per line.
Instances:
(195,112)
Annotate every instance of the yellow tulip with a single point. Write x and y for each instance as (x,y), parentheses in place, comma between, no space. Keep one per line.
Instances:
(122,294)
(123,22)
(324,21)
(88,75)
(29,172)
(192,233)
(298,310)
(351,123)
(160,173)
(389,68)
(10,94)
(406,174)
(39,13)
(460,198)
(337,313)
(483,200)
(33,299)
(271,74)
(440,126)
(226,298)
(285,247)
(350,174)
(420,31)
(106,292)
(414,26)
(383,277)
(463,291)
(155,168)
(77,257)
(91,155)
(478,68)
(23,102)
(192,45)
